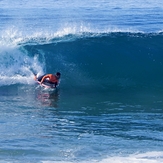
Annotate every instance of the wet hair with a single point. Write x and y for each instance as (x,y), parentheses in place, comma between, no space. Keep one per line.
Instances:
(58,74)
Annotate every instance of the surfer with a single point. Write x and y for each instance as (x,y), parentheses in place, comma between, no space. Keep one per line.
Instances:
(50,78)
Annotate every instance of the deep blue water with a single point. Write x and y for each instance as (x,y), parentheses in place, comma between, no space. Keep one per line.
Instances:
(109,104)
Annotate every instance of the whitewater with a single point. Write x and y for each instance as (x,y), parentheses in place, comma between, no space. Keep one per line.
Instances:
(108,106)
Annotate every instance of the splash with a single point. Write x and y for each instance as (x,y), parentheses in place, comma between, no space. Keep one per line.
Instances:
(17,67)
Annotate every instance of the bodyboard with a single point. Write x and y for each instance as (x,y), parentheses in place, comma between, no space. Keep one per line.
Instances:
(46,84)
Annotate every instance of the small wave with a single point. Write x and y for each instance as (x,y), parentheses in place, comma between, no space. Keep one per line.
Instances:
(150,157)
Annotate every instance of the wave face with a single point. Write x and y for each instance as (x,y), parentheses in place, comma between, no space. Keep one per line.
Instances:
(116,59)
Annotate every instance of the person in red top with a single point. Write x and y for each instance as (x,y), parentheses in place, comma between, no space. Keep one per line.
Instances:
(50,78)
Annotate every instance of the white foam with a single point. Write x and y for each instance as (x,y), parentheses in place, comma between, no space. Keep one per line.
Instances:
(148,157)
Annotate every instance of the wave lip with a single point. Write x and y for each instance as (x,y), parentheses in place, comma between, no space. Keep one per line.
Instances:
(14,36)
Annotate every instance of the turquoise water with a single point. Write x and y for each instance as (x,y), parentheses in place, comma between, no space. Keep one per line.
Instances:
(108,106)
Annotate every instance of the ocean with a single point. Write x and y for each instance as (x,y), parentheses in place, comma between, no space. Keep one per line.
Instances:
(109,104)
